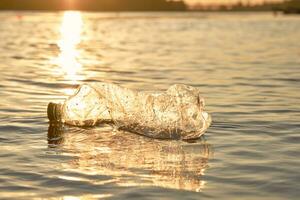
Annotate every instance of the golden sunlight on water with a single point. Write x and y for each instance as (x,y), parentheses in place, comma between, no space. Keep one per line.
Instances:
(245,64)
(70,30)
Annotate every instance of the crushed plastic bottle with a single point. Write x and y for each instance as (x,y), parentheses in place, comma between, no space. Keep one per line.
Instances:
(177,113)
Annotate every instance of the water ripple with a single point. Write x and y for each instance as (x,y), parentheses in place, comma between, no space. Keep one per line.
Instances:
(246,66)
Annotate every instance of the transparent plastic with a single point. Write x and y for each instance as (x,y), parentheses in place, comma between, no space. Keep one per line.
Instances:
(177,113)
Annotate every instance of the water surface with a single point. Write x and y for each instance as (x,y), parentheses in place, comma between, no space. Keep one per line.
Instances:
(246,65)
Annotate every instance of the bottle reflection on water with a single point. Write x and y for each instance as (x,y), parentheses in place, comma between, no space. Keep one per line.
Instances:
(55,135)
(133,160)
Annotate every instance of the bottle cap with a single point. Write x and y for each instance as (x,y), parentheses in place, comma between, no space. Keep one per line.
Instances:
(54,111)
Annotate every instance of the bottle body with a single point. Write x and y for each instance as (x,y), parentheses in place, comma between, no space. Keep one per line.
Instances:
(176,113)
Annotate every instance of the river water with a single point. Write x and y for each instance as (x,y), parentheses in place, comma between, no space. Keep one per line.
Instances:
(247,66)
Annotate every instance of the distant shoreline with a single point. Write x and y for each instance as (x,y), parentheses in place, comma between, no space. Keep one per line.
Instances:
(151,11)
(148,11)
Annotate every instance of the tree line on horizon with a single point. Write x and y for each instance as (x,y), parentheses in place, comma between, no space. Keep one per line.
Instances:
(94,5)
(285,6)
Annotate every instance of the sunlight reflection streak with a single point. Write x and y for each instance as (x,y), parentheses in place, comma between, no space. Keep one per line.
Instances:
(70,30)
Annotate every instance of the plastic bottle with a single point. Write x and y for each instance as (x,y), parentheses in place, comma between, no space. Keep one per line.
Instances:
(177,113)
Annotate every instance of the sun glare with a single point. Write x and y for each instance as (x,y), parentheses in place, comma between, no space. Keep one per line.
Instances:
(70,30)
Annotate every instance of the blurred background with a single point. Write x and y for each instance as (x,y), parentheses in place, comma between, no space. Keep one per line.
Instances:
(244,56)
(286,6)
